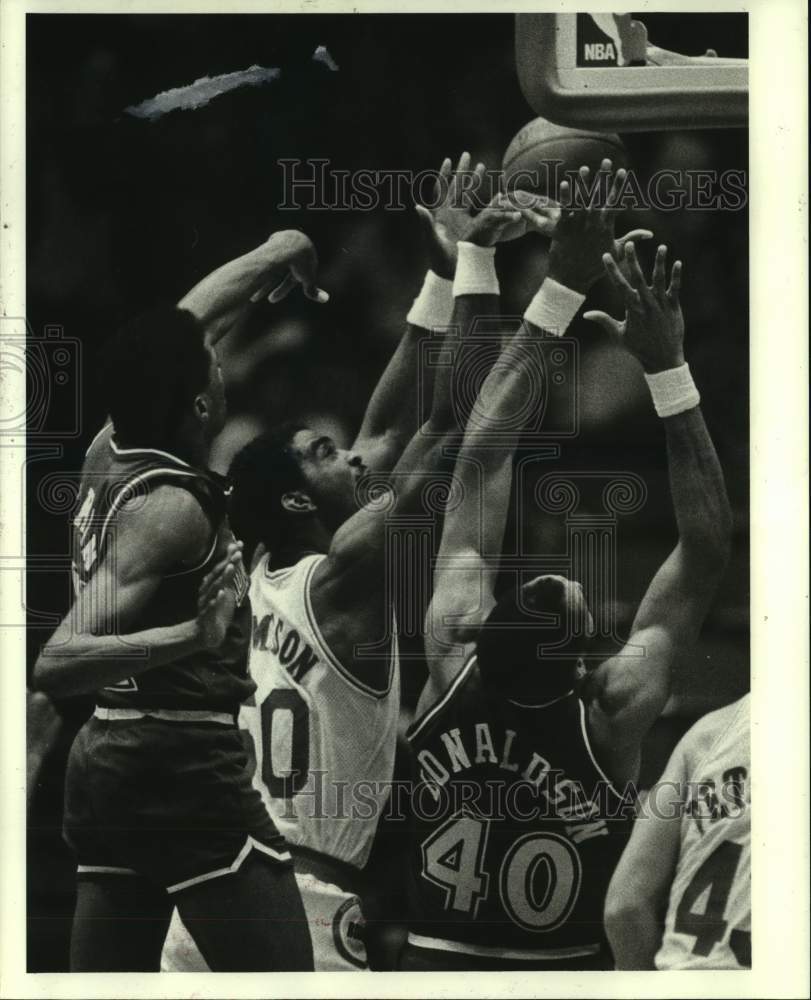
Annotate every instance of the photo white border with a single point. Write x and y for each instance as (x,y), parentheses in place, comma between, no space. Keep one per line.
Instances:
(779,539)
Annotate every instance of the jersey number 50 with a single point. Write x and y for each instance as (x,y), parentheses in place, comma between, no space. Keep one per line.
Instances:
(539,878)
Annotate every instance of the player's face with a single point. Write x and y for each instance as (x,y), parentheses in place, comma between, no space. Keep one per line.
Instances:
(331,474)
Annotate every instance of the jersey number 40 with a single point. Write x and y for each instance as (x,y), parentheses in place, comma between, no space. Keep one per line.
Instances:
(538,880)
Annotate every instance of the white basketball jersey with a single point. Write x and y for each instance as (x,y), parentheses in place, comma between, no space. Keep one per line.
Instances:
(324,741)
(708,923)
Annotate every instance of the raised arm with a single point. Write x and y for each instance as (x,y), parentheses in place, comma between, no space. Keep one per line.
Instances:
(271,271)
(392,416)
(97,642)
(627,692)
(473,531)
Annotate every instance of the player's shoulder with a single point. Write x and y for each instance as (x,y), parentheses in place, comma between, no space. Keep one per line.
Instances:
(171,517)
(461,691)
(704,734)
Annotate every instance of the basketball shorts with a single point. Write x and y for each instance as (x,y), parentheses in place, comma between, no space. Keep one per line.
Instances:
(170,801)
(434,955)
(336,929)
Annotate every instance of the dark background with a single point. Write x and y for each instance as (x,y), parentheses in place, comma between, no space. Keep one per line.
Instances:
(123,213)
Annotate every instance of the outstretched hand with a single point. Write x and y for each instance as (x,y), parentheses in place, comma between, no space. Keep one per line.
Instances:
(293,248)
(216,600)
(583,233)
(448,220)
(653,327)
(460,214)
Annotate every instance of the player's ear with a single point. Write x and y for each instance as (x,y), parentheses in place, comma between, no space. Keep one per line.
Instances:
(297,502)
(202,407)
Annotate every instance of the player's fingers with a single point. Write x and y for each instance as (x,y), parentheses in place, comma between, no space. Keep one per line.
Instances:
(634,234)
(635,276)
(216,600)
(462,178)
(608,323)
(493,218)
(453,192)
(441,183)
(262,293)
(584,173)
(675,282)
(542,224)
(474,194)
(463,165)
(618,279)
(565,190)
(658,278)
(316,294)
(612,201)
(282,290)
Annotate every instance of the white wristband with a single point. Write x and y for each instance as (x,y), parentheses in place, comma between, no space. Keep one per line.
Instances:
(433,307)
(554,307)
(673,391)
(475,270)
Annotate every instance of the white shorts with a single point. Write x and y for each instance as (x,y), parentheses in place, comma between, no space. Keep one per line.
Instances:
(336,928)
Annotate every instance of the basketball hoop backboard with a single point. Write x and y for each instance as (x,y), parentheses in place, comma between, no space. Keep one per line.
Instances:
(599,71)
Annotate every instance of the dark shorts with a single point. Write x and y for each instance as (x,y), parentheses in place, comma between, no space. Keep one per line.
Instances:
(170,801)
(419,959)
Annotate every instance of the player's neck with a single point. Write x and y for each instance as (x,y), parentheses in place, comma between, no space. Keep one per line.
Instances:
(303,540)
(191,447)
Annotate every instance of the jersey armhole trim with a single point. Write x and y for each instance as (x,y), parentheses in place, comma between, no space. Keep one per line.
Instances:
(377,693)
(709,753)
(107,423)
(418,725)
(595,762)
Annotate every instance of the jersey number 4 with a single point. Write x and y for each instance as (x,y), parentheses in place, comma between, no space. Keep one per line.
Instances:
(539,878)
(717,874)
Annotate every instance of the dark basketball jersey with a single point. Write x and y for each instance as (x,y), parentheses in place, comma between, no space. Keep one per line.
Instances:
(113,476)
(516,828)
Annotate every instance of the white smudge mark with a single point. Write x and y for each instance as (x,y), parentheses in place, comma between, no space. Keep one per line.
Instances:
(202,91)
(322,55)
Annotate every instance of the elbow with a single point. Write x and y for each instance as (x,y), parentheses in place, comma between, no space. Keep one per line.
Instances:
(619,912)
(621,915)
(44,677)
(49,675)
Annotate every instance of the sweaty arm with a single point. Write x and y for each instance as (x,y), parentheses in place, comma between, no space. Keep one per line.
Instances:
(272,269)
(393,414)
(637,899)
(98,643)
(627,692)
(473,531)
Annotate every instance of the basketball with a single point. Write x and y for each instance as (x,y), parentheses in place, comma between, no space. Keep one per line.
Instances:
(541,154)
